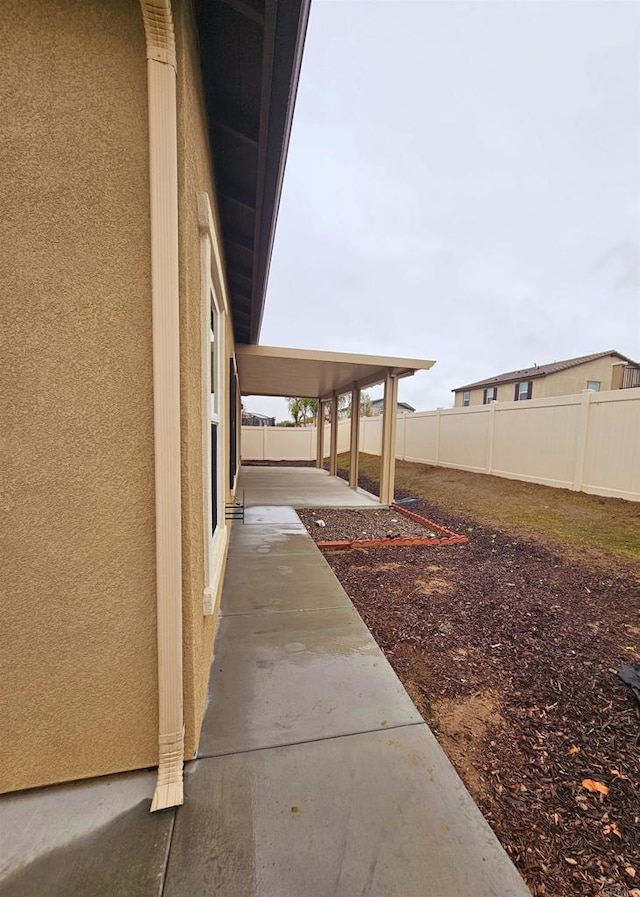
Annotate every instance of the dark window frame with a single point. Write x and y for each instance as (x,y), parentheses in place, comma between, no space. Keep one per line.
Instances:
(523,398)
(489,399)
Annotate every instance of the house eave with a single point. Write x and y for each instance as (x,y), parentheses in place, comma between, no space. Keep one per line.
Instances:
(249,120)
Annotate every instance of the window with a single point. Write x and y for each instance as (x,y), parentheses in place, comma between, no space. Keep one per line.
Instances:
(214,370)
(234,411)
(524,390)
(593,385)
(216,447)
(490,395)
(466,398)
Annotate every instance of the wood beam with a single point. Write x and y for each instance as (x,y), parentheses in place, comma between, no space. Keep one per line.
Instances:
(245,9)
(236,198)
(238,240)
(232,131)
(236,273)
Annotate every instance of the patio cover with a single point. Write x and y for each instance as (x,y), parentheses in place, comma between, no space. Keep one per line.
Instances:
(272,371)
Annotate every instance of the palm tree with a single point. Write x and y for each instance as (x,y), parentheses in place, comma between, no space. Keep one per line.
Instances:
(296,409)
(304,410)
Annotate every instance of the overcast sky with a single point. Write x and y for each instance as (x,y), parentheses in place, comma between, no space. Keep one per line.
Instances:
(463,184)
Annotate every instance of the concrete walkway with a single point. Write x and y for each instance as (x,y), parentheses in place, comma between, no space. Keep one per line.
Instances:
(300,487)
(316,775)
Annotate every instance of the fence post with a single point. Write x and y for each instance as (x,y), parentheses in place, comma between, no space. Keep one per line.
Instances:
(438,422)
(491,435)
(583,435)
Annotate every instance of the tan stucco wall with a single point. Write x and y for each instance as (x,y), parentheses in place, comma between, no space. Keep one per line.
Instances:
(79,672)
(566,383)
(195,176)
(563,383)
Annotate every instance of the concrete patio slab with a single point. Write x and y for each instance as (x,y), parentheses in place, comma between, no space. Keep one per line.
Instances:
(263,540)
(89,839)
(297,676)
(379,814)
(301,487)
(280,584)
(270,514)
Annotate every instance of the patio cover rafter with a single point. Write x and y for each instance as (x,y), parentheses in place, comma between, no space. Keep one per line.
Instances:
(274,371)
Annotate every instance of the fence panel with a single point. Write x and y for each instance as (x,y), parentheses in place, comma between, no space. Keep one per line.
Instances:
(371,435)
(252,443)
(588,442)
(612,451)
(537,441)
(463,439)
(421,437)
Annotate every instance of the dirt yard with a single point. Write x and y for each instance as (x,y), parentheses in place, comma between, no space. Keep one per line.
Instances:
(509,646)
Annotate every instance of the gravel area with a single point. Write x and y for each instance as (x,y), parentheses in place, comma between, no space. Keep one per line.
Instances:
(510,651)
(344,524)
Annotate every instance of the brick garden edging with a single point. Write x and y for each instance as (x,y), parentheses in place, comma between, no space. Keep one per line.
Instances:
(448,537)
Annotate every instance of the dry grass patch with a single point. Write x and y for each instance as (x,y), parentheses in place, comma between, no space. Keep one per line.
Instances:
(586,526)
(461,724)
(435,586)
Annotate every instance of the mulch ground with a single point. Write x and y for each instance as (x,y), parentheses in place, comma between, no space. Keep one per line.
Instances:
(510,651)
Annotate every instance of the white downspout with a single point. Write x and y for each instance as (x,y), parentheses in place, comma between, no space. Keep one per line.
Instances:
(163,171)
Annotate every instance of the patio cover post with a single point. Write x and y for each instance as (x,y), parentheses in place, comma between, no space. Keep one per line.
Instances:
(388,452)
(354,445)
(320,434)
(333,457)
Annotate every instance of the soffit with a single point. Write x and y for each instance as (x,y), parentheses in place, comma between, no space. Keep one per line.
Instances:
(250,54)
(274,371)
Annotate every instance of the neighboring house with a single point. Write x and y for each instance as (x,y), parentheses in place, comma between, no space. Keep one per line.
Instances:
(603,370)
(253,419)
(143,154)
(377,406)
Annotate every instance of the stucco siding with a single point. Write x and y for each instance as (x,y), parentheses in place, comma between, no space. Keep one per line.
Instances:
(195,176)
(575,379)
(78,668)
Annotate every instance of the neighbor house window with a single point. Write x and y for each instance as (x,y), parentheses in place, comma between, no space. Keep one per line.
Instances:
(524,390)
(593,385)
(490,395)
(466,398)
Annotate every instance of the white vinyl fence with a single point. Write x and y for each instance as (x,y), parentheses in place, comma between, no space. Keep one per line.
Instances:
(289,443)
(588,442)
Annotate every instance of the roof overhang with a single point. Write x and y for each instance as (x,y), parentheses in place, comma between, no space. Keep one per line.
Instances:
(250,54)
(272,371)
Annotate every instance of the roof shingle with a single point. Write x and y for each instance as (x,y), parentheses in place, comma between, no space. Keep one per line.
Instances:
(540,370)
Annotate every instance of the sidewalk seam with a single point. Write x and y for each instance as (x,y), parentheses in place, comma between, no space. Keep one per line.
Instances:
(272,747)
(165,865)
